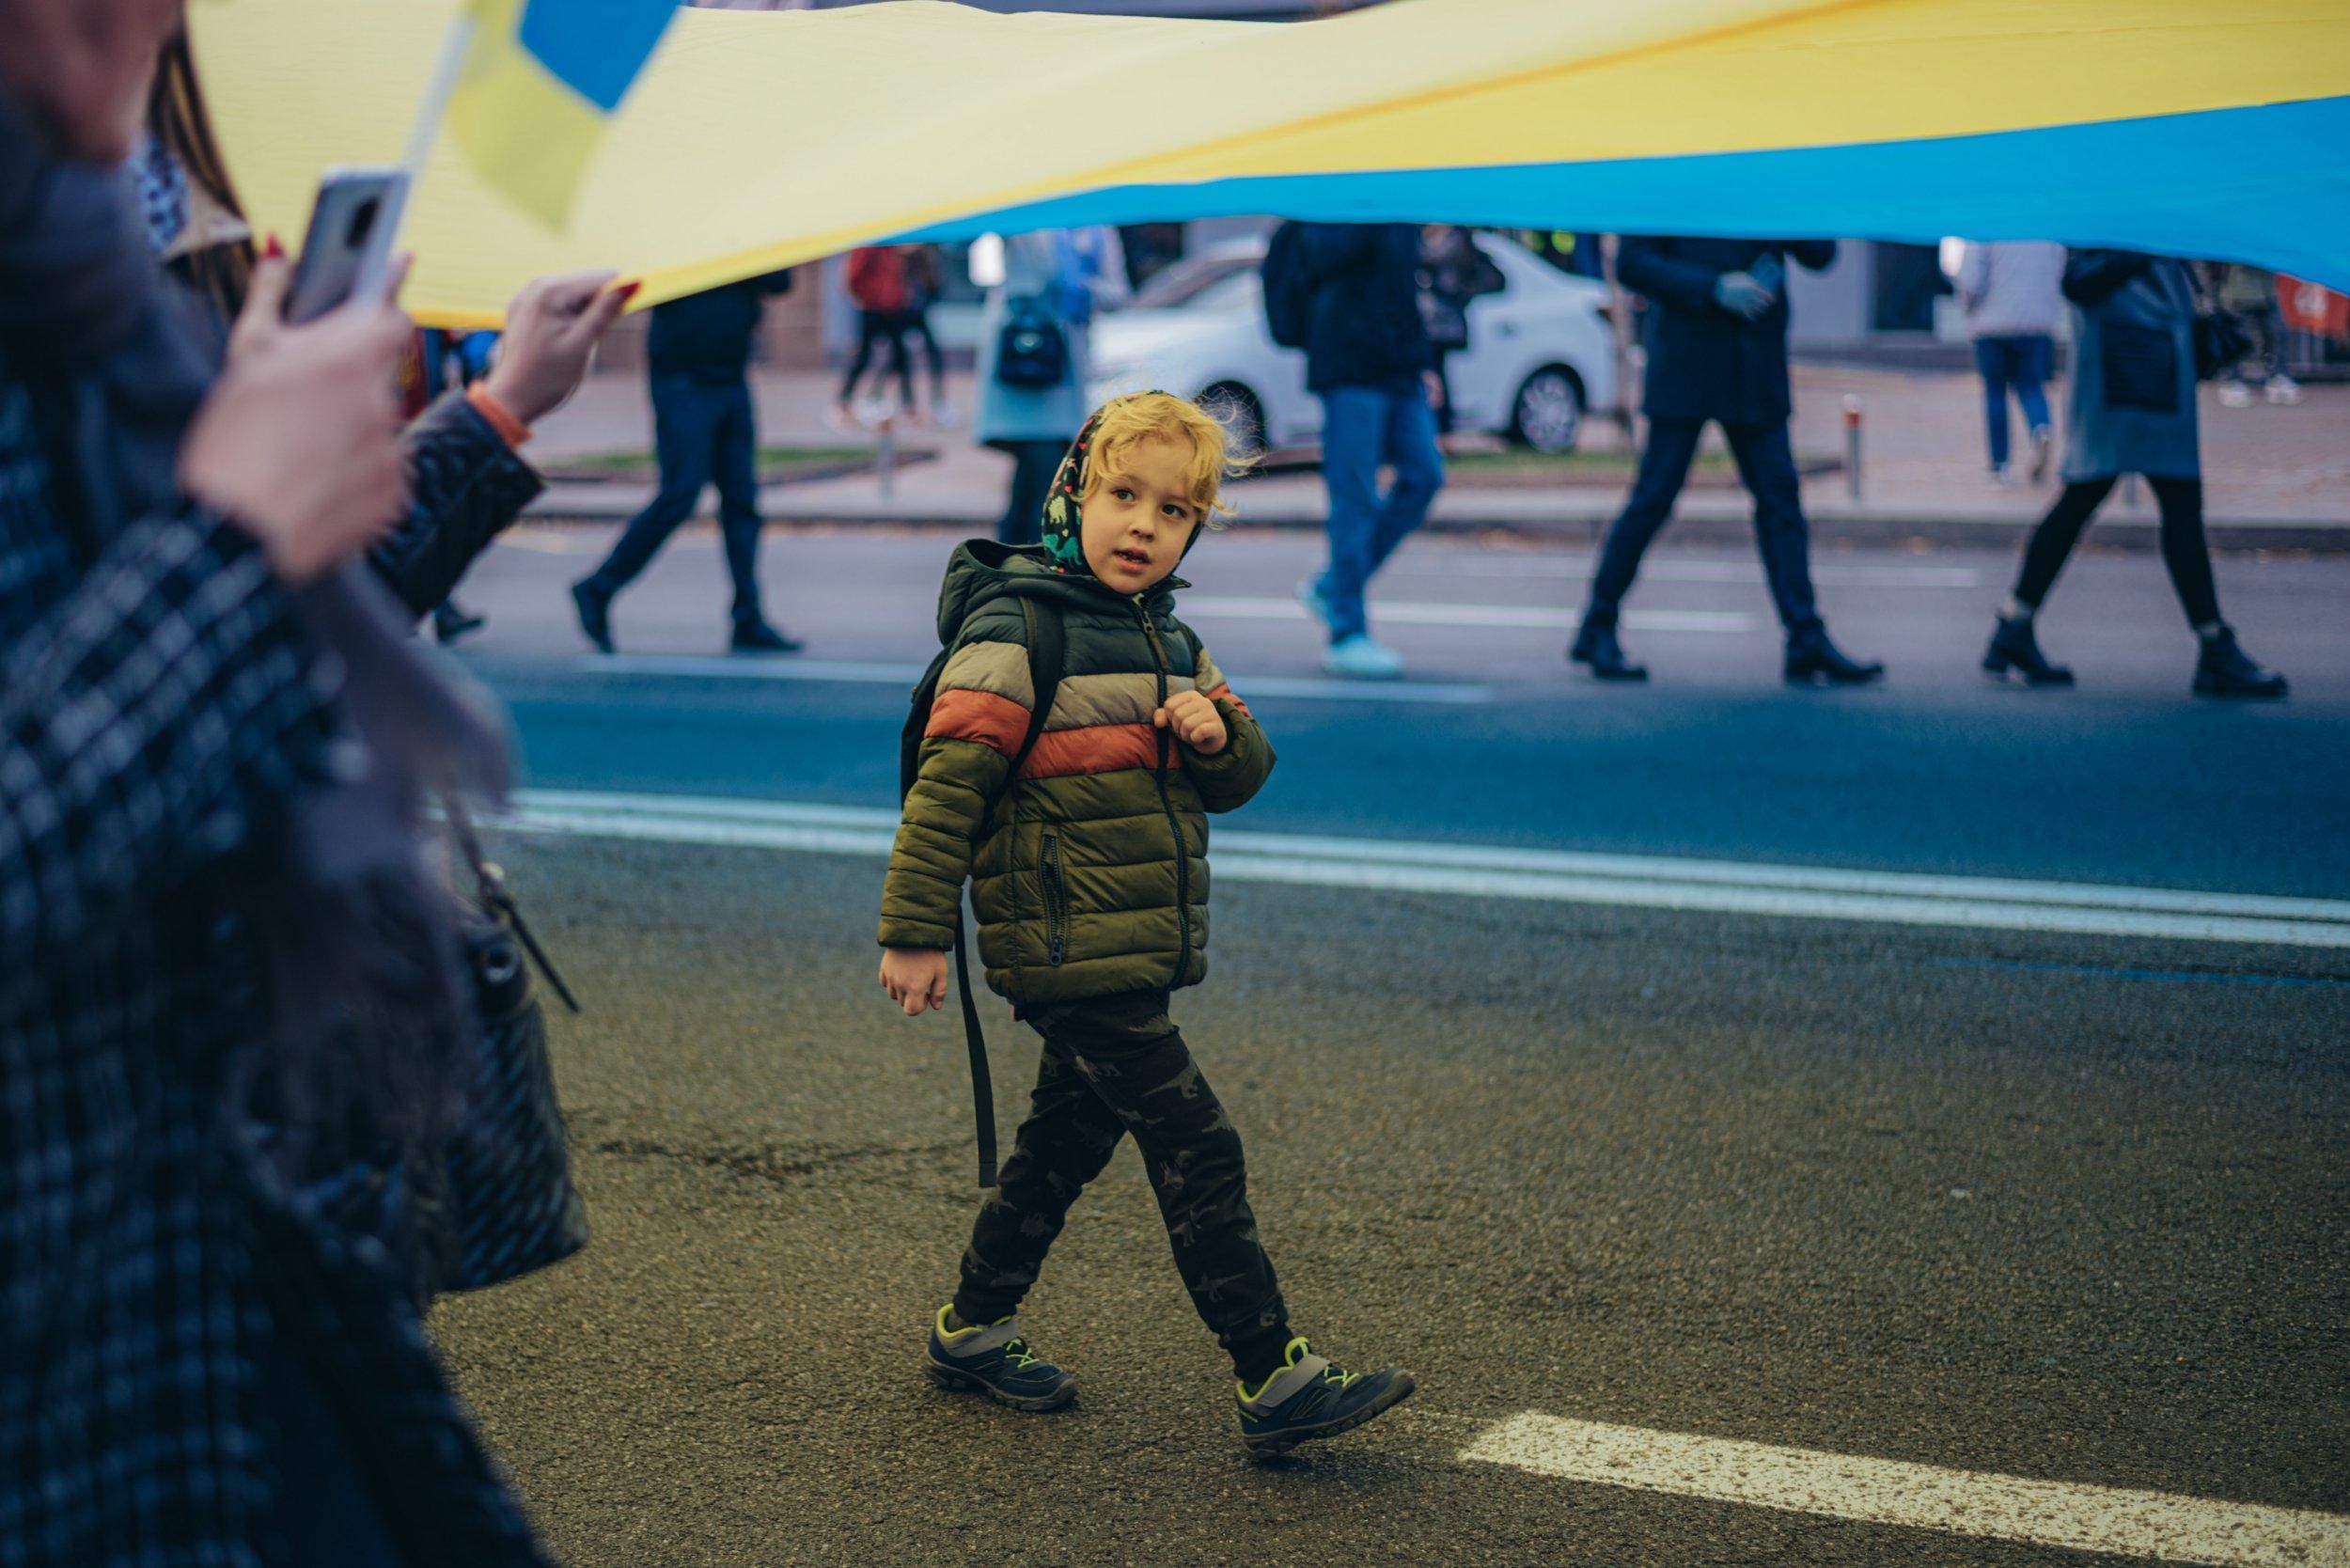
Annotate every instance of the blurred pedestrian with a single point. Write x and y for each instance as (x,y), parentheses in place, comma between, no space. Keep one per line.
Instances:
(705,430)
(1034,352)
(923,281)
(1454,272)
(1718,351)
(2011,292)
(2250,294)
(228,975)
(879,286)
(2133,412)
(1369,359)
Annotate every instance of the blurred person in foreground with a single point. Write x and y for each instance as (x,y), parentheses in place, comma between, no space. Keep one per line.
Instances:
(1717,351)
(2133,412)
(705,430)
(231,1002)
(2011,292)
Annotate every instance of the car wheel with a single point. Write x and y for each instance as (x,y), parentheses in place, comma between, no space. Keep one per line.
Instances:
(1547,414)
(1242,413)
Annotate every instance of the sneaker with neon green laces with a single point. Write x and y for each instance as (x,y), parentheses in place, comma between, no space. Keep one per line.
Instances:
(994,1359)
(1311,1396)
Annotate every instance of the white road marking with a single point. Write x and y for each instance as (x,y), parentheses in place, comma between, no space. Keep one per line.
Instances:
(1410,613)
(2149,1526)
(1515,564)
(722,666)
(1641,882)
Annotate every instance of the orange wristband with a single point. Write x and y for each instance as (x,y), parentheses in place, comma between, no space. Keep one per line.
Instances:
(511,430)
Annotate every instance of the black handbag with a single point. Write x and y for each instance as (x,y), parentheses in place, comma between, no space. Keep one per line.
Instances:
(1031,351)
(2220,340)
(509,1207)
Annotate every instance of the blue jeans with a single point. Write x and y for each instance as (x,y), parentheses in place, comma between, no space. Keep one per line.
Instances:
(1361,429)
(1767,464)
(701,433)
(2021,363)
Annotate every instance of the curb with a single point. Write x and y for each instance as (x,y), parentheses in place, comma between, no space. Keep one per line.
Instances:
(1570,518)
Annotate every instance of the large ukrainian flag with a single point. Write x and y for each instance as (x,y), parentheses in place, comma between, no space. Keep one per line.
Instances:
(540,79)
(2213,127)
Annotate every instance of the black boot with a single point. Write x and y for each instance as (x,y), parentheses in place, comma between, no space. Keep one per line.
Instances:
(2223,669)
(2013,647)
(595,613)
(757,637)
(1813,660)
(1597,647)
(452,620)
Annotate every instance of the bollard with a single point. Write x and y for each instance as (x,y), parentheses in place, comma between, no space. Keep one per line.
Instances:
(1852,448)
(886,454)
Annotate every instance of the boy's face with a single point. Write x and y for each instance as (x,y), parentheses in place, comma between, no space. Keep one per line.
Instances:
(1140,516)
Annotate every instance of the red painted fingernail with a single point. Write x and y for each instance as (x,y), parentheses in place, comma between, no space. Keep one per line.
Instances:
(628,291)
(272,249)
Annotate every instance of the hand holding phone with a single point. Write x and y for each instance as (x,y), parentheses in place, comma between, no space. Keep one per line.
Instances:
(347,252)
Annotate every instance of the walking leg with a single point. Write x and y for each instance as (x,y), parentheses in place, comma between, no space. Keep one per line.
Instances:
(737,473)
(2051,542)
(1672,444)
(1766,462)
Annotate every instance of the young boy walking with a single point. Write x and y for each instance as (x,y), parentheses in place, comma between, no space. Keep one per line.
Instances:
(1091,881)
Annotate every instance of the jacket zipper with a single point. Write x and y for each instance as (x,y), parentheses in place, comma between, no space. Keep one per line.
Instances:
(1056,905)
(1166,804)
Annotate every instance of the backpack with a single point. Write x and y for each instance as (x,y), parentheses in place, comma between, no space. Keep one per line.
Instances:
(877,278)
(1046,655)
(1289,288)
(1031,351)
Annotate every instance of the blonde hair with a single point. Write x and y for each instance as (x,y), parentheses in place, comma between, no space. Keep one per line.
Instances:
(1124,423)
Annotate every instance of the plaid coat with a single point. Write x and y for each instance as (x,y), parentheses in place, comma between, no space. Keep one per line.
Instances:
(157,702)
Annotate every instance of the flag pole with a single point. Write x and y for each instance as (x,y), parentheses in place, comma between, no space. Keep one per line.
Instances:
(422,132)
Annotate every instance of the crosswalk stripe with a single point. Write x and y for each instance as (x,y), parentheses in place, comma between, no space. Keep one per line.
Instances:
(720,667)
(1650,882)
(2149,1526)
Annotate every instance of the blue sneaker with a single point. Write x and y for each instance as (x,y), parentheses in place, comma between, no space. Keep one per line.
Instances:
(1310,1397)
(1317,602)
(995,1362)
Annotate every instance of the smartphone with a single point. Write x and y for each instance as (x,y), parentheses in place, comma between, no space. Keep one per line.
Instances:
(346,251)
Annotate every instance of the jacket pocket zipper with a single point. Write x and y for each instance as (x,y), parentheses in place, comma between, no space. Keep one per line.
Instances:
(1056,905)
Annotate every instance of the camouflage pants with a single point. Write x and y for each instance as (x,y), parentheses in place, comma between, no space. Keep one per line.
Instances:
(1115,1065)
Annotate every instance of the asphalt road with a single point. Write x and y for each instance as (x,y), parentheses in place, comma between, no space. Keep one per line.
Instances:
(2060,1207)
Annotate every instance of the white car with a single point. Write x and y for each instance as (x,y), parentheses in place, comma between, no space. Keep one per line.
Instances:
(1540,354)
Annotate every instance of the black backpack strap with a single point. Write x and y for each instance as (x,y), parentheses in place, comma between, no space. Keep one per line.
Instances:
(1047,654)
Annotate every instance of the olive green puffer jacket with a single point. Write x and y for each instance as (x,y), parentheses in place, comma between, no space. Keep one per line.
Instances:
(1091,875)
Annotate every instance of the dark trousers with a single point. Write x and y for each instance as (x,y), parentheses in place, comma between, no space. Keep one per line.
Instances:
(2020,365)
(918,323)
(1116,1065)
(874,328)
(2183,550)
(701,433)
(1767,464)
(1033,466)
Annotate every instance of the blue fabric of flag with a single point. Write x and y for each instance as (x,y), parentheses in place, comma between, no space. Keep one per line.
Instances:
(594,47)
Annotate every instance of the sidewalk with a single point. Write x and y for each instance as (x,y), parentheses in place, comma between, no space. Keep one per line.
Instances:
(2276,478)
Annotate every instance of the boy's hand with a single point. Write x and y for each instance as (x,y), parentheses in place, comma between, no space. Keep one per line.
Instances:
(915,978)
(1193,720)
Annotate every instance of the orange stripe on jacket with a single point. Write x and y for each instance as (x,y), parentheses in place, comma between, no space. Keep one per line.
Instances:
(1095,748)
(964,714)
(1224,692)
